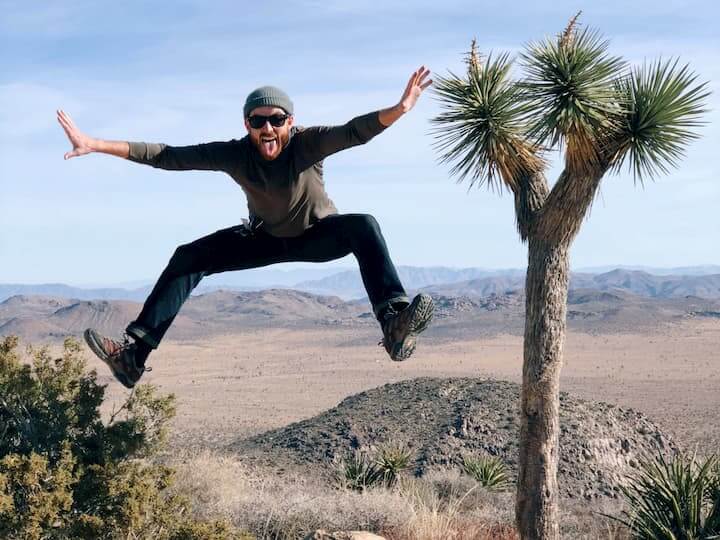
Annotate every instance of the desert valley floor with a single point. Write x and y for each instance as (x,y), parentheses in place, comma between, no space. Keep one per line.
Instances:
(232,386)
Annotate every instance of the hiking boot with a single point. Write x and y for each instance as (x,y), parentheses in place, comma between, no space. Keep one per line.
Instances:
(400,329)
(119,356)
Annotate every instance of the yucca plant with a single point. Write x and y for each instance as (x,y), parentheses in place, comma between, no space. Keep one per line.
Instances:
(497,130)
(392,459)
(675,500)
(362,469)
(488,471)
(358,471)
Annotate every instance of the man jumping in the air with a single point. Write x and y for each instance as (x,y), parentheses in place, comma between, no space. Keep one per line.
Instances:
(279,167)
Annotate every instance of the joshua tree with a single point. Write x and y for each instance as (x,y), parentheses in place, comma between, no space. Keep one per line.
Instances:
(578,98)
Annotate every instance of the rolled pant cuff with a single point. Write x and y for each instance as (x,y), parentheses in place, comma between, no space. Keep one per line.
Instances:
(139,332)
(381,306)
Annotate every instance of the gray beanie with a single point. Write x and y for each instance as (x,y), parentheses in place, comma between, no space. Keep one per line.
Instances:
(267,96)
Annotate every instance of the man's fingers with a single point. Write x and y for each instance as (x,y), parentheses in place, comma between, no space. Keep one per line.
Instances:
(409,86)
(64,119)
(411,81)
(71,132)
(67,129)
(63,123)
(418,78)
(416,74)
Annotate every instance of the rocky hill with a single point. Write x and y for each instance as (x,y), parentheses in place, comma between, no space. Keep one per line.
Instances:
(442,420)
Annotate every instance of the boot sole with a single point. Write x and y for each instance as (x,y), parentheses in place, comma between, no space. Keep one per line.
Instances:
(423,309)
(97,349)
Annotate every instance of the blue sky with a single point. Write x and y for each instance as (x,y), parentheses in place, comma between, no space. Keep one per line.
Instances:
(178,72)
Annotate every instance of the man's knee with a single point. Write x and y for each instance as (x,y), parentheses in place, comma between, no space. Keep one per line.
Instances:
(182,259)
(366,223)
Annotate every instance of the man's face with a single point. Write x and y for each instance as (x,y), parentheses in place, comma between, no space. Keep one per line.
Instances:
(268,139)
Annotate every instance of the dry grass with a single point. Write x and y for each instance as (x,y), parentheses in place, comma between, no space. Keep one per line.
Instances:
(446,505)
(282,507)
(443,505)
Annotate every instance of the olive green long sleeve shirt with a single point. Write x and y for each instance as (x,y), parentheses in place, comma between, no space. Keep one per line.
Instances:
(287,193)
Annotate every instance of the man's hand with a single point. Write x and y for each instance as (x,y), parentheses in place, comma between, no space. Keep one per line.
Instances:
(81,143)
(415,86)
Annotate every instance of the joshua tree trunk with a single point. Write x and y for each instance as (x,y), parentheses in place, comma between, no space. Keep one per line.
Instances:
(549,221)
(546,300)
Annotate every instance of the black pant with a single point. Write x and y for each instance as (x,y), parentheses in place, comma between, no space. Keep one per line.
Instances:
(238,248)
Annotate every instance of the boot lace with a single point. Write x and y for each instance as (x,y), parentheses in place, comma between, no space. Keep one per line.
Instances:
(128,341)
(390,312)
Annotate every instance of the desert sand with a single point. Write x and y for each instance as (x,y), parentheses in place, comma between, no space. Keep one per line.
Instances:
(232,386)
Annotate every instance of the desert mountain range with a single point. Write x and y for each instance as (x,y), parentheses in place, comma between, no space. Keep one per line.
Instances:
(471,308)
(702,281)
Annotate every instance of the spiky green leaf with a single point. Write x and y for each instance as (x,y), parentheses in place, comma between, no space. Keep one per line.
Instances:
(664,105)
(671,500)
(489,471)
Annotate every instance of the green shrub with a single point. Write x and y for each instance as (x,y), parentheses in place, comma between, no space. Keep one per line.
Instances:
(488,471)
(673,500)
(64,473)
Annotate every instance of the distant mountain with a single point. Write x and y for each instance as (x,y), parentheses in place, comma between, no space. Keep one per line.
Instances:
(256,308)
(31,306)
(700,270)
(633,281)
(347,284)
(268,277)
(252,279)
(67,291)
(644,284)
(478,287)
(42,319)
(37,318)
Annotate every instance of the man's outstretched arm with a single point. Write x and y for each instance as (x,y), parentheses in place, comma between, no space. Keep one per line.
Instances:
(316,143)
(416,85)
(215,156)
(83,144)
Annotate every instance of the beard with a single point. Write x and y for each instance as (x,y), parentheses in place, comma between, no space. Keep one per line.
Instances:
(269,146)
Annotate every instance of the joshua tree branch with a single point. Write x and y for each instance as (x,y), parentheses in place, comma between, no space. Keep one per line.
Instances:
(566,206)
(530,193)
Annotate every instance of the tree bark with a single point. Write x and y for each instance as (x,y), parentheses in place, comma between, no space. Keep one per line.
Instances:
(530,194)
(546,287)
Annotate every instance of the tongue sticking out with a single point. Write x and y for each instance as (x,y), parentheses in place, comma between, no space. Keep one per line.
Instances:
(270,147)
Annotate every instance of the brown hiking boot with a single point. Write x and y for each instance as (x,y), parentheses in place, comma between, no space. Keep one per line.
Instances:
(400,329)
(120,357)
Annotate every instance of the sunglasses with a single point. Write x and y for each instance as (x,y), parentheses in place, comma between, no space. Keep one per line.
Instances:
(257,121)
